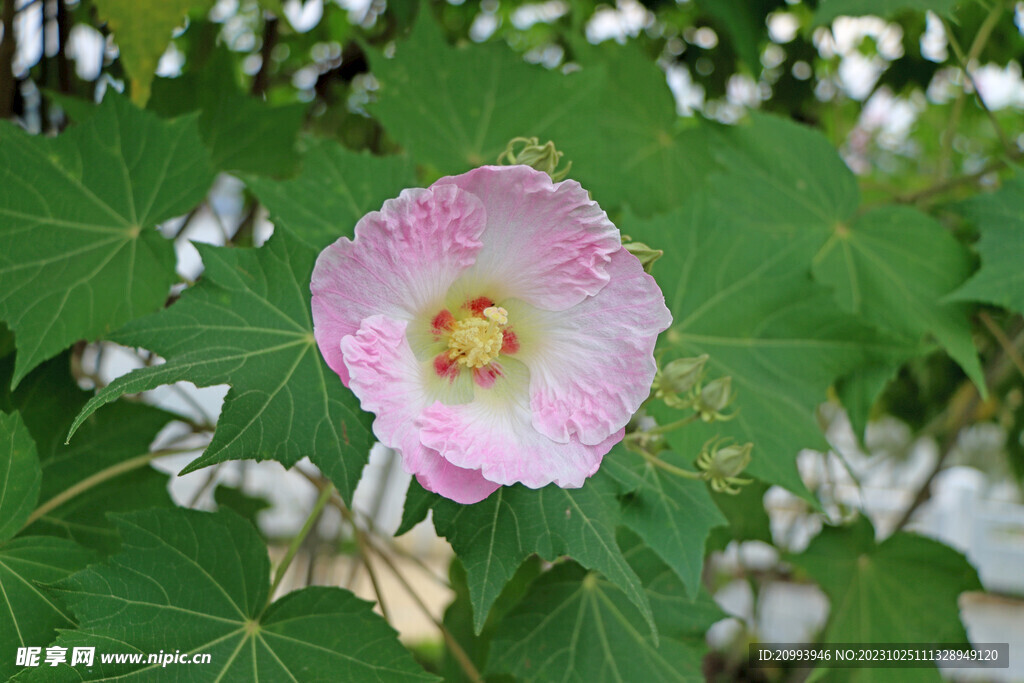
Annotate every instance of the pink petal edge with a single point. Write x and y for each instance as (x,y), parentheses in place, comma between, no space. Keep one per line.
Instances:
(546,243)
(403,259)
(385,375)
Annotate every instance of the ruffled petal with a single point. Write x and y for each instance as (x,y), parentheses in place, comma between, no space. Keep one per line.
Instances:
(403,260)
(387,378)
(593,364)
(546,243)
(501,442)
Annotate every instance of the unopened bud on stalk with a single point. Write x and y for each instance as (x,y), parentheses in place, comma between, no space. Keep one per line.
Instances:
(674,382)
(713,399)
(722,465)
(535,155)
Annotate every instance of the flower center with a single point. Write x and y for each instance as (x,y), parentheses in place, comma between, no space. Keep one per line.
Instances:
(475,342)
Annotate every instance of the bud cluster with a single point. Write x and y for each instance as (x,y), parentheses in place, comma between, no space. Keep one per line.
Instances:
(535,155)
(679,385)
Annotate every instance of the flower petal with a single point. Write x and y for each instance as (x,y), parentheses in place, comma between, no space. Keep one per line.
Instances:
(402,262)
(593,364)
(502,443)
(545,243)
(387,378)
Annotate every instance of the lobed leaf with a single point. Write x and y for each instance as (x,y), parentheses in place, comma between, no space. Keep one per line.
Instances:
(1000,220)
(247,323)
(335,188)
(78,253)
(576,626)
(198,582)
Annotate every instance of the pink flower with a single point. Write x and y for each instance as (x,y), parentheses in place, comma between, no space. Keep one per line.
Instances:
(494,325)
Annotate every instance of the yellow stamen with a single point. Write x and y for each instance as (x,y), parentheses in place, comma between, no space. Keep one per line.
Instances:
(475,342)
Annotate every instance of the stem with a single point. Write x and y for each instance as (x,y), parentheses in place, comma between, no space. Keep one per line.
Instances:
(8,48)
(100,477)
(953,183)
(678,471)
(662,429)
(364,554)
(465,663)
(965,63)
(1004,342)
(314,517)
(262,79)
(977,45)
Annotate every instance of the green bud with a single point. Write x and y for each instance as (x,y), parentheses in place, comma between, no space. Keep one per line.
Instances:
(722,465)
(535,155)
(675,380)
(646,254)
(714,398)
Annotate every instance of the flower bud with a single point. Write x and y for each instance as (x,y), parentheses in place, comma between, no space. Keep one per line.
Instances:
(675,380)
(714,398)
(721,467)
(646,254)
(535,155)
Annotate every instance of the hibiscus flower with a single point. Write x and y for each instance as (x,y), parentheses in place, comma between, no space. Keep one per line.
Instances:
(494,325)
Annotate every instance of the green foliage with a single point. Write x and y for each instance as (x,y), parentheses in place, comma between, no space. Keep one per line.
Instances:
(574,625)
(744,298)
(830,9)
(19,466)
(242,134)
(493,537)
(248,324)
(458,109)
(222,609)
(902,590)
(671,514)
(30,615)
(143,31)
(1000,220)
(78,253)
(335,189)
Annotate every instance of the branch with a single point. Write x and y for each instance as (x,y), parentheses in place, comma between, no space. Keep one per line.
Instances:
(8,48)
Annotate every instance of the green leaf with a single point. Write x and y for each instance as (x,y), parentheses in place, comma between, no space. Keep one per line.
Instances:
(892,267)
(417,504)
(458,617)
(243,134)
(830,9)
(779,176)
(78,255)
(494,536)
(198,582)
(784,178)
(20,475)
(672,514)
(142,29)
(575,625)
(247,324)
(745,298)
(48,400)
(630,148)
(241,503)
(902,590)
(1000,220)
(29,616)
(744,23)
(458,109)
(748,520)
(335,189)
